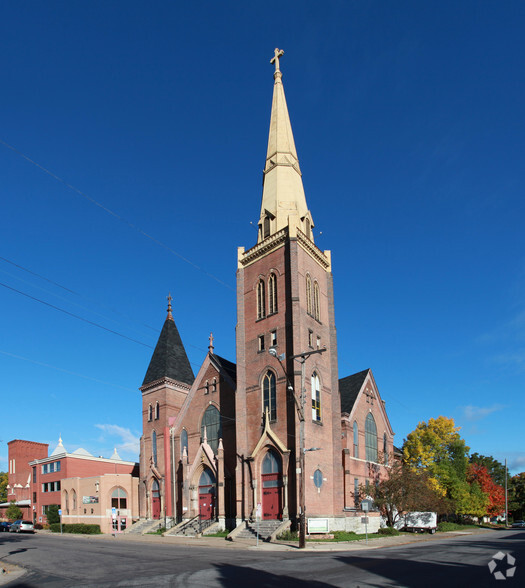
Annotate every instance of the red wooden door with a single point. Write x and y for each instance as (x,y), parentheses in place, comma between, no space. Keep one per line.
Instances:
(271,503)
(155,507)
(206,506)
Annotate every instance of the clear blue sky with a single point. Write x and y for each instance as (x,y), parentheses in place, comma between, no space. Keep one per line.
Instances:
(408,121)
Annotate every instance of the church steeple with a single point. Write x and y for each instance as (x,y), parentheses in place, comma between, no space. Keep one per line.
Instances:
(283,201)
(169,360)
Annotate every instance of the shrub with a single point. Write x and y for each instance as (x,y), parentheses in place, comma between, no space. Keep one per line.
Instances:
(39,526)
(52,514)
(288,536)
(444,527)
(390,531)
(80,528)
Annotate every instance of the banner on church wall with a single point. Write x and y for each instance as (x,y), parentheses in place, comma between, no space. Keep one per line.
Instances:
(89,499)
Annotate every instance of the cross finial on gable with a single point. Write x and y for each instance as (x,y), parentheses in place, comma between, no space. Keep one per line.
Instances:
(210,346)
(275,59)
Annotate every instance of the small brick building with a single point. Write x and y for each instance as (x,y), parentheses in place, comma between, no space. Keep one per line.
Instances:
(227,443)
(84,486)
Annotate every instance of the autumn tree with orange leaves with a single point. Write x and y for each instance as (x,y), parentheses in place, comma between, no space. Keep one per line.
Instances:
(495,494)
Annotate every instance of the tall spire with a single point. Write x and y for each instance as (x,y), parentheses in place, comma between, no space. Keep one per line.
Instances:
(283,201)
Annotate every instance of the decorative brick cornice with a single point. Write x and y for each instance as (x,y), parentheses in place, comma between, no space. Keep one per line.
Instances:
(314,251)
(166,382)
(263,248)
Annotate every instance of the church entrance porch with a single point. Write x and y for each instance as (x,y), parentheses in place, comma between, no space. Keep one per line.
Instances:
(272,487)
(206,495)
(155,500)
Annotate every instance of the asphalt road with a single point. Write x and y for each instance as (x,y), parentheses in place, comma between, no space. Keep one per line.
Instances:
(55,561)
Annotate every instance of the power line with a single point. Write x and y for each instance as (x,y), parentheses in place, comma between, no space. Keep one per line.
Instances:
(74,315)
(115,215)
(54,367)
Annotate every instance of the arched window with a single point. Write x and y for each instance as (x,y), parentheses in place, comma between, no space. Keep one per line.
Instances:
(356,440)
(272,294)
(266,227)
(316,397)
(271,463)
(157,411)
(66,501)
(207,482)
(269,400)
(309,295)
(307,227)
(150,413)
(154,447)
(183,442)
(317,310)
(211,421)
(261,300)
(119,498)
(73,500)
(370,438)
(385,448)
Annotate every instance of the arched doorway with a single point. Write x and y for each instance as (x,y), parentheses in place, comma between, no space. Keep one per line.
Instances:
(155,500)
(206,495)
(272,483)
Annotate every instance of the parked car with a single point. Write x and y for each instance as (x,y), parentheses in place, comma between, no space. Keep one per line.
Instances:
(21,526)
(4,526)
(518,525)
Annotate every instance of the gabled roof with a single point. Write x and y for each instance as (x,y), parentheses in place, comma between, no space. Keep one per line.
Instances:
(229,367)
(349,388)
(169,360)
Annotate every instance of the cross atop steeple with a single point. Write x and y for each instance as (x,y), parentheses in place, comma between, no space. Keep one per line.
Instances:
(169,299)
(210,346)
(275,59)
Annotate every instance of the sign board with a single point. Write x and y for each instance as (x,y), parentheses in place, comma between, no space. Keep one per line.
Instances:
(89,499)
(366,505)
(365,520)
(317,526)
(114,511)
(258,512)
(60,512)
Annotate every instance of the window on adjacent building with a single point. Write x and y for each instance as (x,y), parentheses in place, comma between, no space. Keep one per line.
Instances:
(310,338)
(34,497)
(273,338)
(154,447)
(261,300)
(73,500)
(44,468)
(272,294)
(269,399)
(66,501)
(150,413)
(318,342)
(308,294)
(370,438)
(316,397)
(157,411)
(356,440)
(34,474)
(317,307)
(260,342)
(211,421)
(119,498)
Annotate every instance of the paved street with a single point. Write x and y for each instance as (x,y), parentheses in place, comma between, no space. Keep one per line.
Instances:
(452,560)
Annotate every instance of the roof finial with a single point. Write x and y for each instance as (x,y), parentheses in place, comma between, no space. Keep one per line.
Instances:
(210,346)
(169,299)
(277,54)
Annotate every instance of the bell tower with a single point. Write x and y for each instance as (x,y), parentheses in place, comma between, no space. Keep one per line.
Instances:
(285,302)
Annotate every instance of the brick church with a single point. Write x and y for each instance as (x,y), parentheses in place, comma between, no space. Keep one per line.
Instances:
(277,432)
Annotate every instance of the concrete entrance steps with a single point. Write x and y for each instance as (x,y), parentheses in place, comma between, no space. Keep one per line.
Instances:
(191,528)
(143,526)
(267,530)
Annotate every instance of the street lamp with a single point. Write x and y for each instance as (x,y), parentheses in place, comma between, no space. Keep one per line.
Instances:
(300,405)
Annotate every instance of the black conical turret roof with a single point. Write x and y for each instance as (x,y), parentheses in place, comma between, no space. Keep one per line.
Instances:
(169,360)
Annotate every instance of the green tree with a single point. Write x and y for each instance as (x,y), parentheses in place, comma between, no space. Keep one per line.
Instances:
(437,449)
(517,496)
(13,513)
(3,486)
(52,514)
